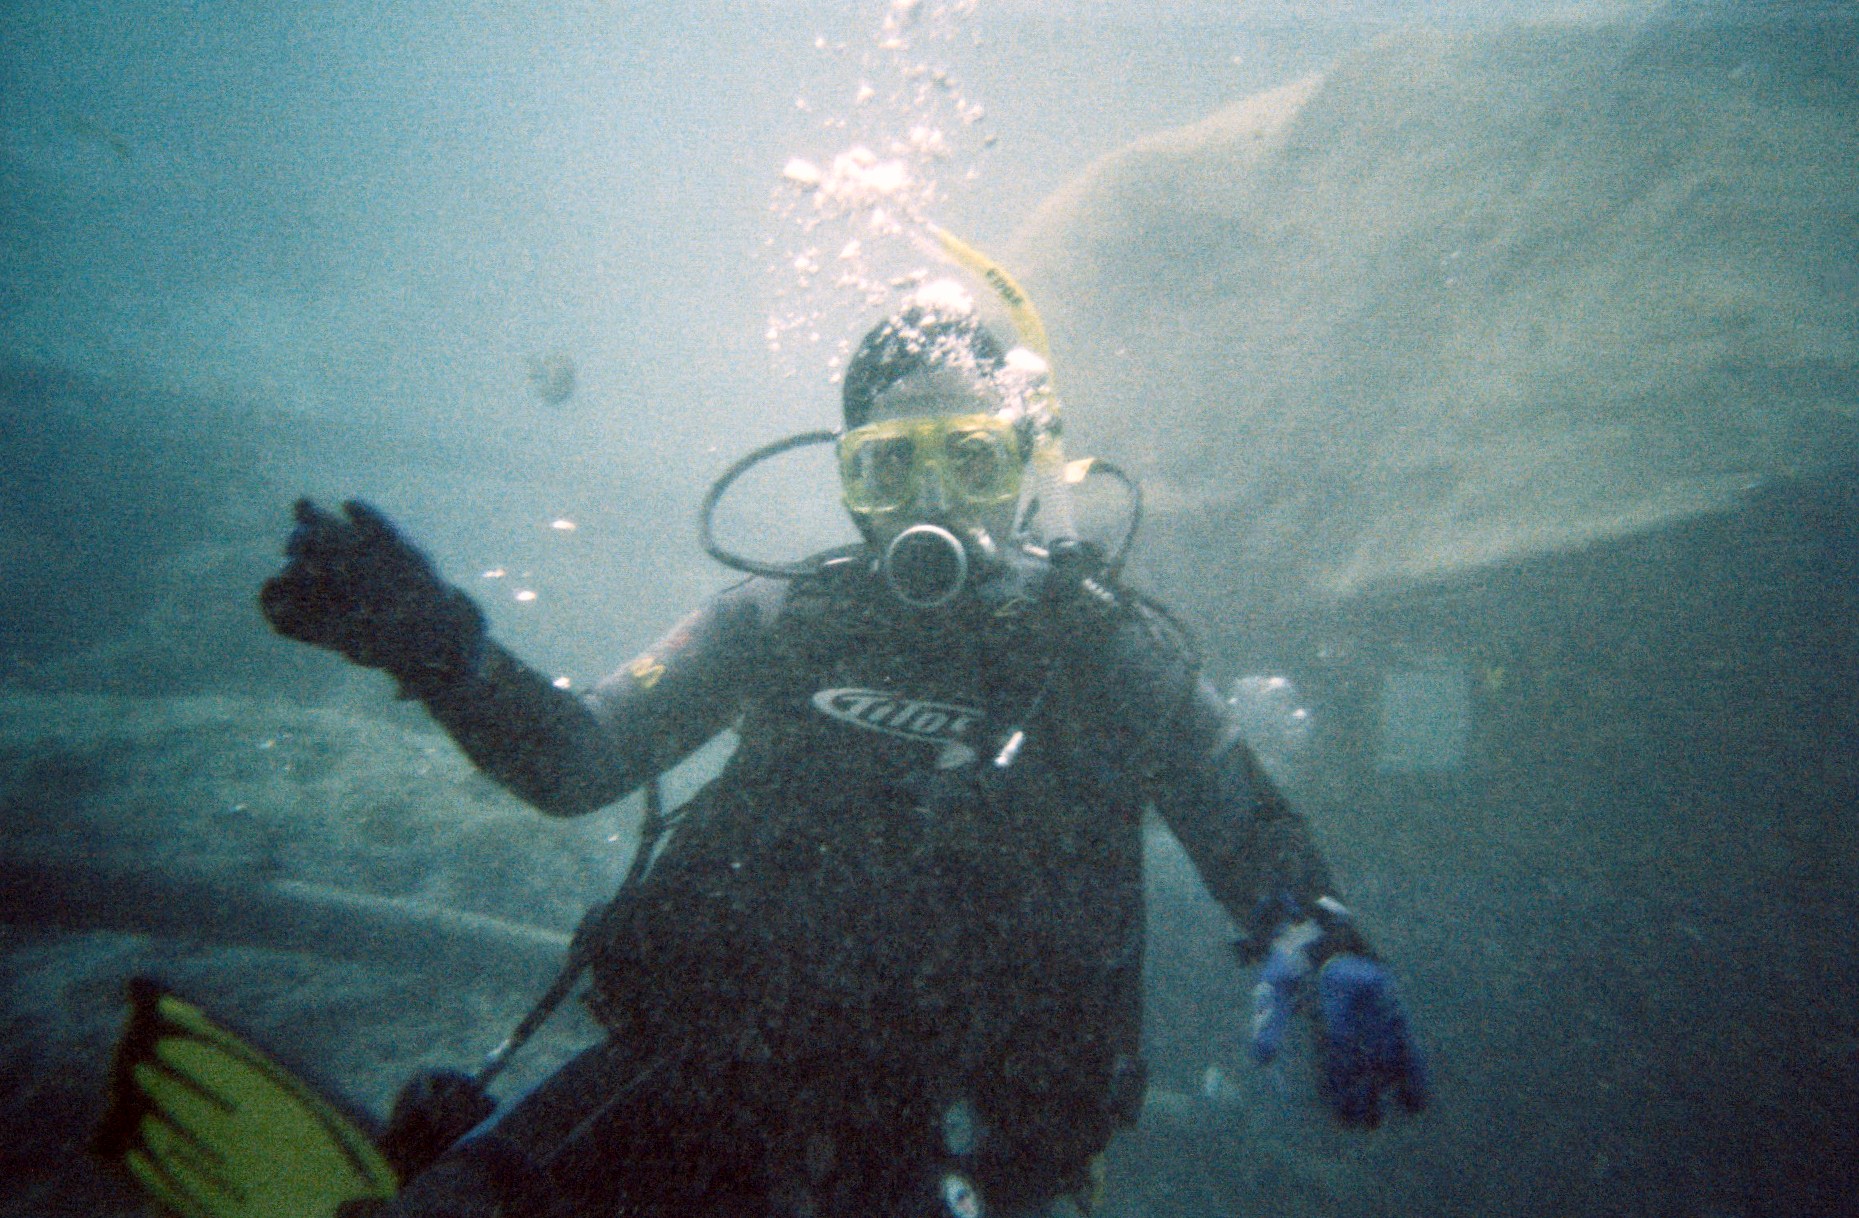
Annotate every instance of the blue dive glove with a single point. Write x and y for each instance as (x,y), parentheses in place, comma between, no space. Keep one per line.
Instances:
(1364,1041)
(1367,1047)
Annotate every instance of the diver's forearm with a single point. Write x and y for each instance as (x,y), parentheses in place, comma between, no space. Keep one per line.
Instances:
(538,741)
(1253,851)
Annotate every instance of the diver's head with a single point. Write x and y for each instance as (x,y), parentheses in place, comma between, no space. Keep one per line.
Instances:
(934,451)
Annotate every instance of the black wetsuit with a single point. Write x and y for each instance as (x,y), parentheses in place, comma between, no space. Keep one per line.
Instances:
(868,952)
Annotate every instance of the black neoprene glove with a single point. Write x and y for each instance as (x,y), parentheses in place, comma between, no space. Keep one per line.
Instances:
(357,587)
(434,1110)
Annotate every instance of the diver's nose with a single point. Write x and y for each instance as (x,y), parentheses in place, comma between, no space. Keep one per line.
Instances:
(932,496)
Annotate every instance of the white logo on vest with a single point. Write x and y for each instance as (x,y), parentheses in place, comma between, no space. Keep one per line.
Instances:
(939,723)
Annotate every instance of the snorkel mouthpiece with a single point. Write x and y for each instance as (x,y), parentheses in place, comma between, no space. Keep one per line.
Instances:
(926,566)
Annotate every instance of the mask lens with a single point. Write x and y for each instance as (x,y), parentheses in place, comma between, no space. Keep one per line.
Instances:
(972,457)
(978,465)
(879,472)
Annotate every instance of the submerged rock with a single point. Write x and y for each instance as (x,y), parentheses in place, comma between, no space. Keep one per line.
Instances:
(1468,298)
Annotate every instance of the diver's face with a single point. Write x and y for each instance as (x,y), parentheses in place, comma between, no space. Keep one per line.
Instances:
(937,499)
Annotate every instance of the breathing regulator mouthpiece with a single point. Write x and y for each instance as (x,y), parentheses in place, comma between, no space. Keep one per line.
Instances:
(926,566)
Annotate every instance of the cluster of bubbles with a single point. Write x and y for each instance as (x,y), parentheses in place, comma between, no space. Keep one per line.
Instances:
(852,217)
(928,306)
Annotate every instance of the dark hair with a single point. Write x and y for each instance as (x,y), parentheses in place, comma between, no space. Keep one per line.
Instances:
(914,340)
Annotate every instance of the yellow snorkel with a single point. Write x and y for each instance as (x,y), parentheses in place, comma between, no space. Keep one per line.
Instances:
(1052,477)
(1025,317)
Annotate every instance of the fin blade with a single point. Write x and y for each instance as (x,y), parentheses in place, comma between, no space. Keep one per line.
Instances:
(161,1187)
(213,1127)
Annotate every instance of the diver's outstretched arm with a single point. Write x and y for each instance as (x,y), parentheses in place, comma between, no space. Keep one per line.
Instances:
(1258,859)
(569,755)
(354,585)
(540,742)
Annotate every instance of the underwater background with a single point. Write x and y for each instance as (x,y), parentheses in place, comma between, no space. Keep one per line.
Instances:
(1492,371)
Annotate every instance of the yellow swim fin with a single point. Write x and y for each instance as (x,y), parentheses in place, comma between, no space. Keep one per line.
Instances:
(213,1128)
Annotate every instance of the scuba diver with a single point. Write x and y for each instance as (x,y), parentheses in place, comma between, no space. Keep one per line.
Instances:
(889,961)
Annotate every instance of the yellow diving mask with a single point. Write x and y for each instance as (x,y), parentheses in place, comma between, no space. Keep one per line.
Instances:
(976,458)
